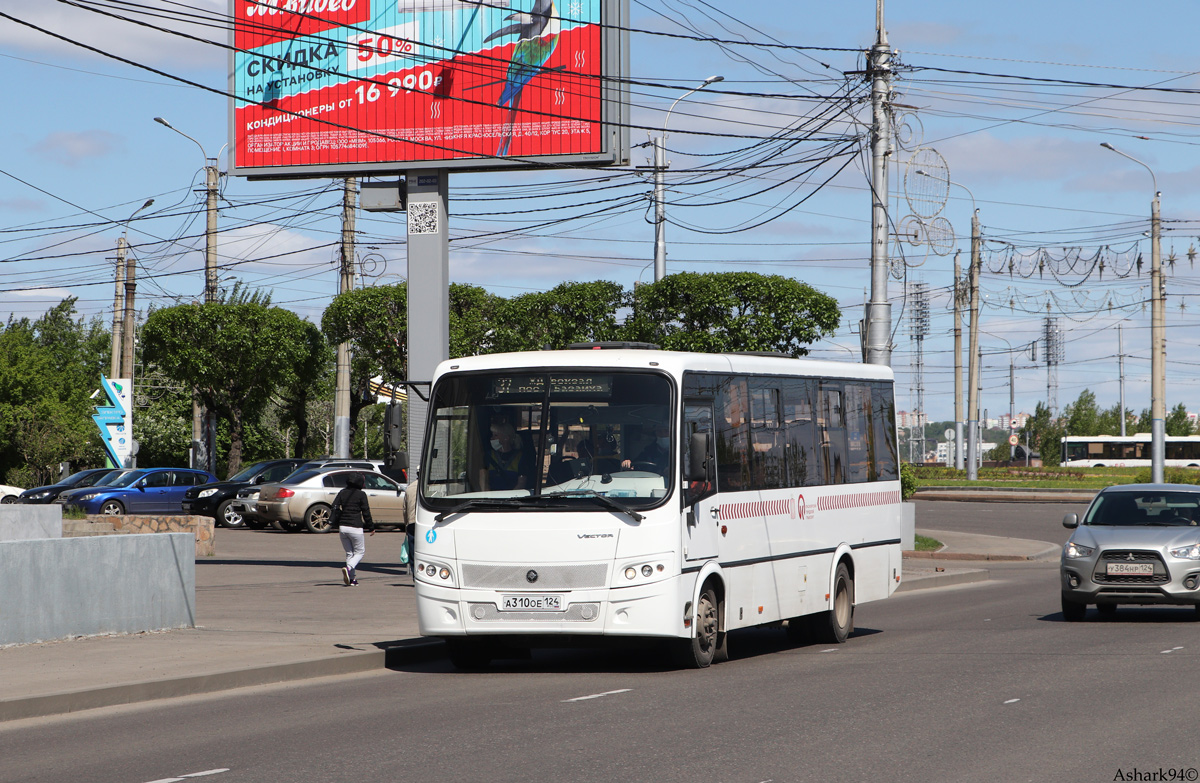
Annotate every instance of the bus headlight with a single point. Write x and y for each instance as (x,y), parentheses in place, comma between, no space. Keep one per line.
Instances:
(630,573)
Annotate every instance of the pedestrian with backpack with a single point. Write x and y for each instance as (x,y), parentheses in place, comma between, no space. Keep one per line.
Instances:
(351,515)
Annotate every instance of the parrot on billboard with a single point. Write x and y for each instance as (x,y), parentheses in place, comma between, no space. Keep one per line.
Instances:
(537,36)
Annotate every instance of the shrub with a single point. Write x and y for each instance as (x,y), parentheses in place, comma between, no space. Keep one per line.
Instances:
(908,481)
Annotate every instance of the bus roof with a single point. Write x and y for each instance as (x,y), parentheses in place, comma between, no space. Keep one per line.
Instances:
(674,362)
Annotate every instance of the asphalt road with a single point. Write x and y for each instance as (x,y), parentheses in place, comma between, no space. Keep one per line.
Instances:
(982,682)
(1034,521)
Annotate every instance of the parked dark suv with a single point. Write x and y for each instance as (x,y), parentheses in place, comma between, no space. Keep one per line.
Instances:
(216,500)
(48,493)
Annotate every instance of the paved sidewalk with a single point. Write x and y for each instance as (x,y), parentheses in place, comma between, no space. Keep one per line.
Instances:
(271,607)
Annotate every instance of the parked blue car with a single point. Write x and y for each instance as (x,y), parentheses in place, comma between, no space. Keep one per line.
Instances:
(144,491)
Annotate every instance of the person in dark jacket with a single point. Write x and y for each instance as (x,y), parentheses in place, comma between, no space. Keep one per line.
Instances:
(352,515)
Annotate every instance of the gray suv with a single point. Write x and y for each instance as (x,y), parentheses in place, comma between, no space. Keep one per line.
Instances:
(1136,544)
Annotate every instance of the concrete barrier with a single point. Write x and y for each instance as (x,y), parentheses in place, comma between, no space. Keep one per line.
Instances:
(908,526)
(22,521)
(60,588)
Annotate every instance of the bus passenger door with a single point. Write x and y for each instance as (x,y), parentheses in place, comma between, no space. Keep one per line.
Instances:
(701,525)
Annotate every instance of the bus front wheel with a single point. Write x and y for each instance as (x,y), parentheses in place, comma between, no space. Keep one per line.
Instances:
(835,625)
(708,643)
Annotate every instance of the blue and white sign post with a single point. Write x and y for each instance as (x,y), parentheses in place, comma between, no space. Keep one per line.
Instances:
(115,421)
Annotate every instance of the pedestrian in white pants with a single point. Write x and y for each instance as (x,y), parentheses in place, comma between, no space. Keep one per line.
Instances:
(351,514)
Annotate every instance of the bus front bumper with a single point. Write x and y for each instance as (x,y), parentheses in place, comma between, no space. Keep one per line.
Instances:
(655,609)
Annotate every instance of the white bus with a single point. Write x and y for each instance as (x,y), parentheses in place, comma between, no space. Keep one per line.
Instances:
(1133,451)
(629,492)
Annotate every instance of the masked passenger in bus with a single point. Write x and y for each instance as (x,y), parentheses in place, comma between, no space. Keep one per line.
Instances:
(509,464)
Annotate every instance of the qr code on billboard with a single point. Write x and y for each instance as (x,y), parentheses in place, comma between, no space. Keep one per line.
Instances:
(423,218)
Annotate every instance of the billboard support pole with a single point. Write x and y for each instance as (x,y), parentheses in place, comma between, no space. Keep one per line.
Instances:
(428,291)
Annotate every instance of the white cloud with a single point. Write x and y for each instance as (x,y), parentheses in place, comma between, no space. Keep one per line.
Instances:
(136,42)
(74,148)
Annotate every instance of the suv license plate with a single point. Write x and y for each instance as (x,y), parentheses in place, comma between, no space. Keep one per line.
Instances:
(1131,569)
(531,603)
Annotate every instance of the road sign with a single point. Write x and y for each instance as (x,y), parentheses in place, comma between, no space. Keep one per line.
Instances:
(1012,440)
(949,434)
(1012,424)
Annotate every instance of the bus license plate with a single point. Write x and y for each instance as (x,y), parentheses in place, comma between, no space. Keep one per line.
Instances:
(531,603)
(1131,569)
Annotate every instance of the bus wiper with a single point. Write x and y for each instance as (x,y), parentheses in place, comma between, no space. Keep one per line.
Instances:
(593,494)
(481,502)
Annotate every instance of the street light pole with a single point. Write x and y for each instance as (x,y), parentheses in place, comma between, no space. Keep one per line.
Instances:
(1158,350)
(201,433)
(660,166)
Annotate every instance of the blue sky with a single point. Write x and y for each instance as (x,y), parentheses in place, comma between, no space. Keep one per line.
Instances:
(82,149)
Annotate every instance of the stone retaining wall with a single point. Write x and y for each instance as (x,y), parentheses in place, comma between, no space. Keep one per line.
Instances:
(200,527)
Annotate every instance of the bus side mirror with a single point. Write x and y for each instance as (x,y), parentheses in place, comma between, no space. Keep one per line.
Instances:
(1071,521)
(698,457)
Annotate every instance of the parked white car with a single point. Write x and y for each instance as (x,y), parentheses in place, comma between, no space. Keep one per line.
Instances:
(9,494)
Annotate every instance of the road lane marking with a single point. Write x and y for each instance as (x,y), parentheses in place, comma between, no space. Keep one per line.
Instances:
(1012,701)
(191,775)
(1173,649)
(597,695)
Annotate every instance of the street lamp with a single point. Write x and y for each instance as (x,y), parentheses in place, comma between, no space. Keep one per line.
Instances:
(210,236)
(660,165)
(201,433)
(1158,377)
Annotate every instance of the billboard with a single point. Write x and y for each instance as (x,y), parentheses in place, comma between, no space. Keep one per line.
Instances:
(341,87)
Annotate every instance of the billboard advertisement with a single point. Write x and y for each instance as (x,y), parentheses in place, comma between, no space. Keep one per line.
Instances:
(339,87)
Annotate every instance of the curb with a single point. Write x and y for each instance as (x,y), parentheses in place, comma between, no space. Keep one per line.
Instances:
(970,556)
(944,580)
(401,653)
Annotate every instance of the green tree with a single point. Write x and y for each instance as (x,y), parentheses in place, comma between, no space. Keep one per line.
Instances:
(48,370)
(732,311)
(1177,422)
(313,379)
(1045,434)
(568,313)
(472,320)
(1083,416)
(233,355)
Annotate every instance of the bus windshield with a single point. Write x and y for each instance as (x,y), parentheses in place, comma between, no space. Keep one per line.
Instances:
(553,438)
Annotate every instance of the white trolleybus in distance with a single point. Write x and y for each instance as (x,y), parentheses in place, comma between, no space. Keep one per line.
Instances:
(1133,451)
(639,493)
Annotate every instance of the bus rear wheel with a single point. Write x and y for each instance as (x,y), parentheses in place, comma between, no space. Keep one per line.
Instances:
(708,643)
(835,625)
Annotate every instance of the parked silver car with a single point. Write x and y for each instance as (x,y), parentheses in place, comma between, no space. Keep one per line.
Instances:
(303,499)
(1136,544)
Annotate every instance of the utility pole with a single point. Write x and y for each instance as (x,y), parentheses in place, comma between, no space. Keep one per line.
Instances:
(973,372)
(1158,341)
(1158,348)
(129,328)
(341,394)
(958,390)
(1012,374)
(1121,373)
(660,210)
(877,320)
(118,311)
(660,168)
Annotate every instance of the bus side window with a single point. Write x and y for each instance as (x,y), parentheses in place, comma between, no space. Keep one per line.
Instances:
(883,432)
(733,435)
(833,432)
(697,418)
